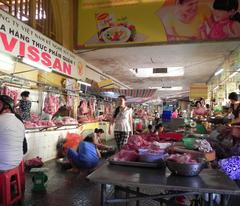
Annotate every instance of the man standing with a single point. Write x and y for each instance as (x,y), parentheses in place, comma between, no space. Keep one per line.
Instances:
(11,135)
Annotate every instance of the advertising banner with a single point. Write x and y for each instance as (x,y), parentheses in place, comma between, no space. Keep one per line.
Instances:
(111,22)
(20,40)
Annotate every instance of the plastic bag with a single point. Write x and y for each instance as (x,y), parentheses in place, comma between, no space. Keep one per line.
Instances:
(72,140)
(231,167)
(35,162)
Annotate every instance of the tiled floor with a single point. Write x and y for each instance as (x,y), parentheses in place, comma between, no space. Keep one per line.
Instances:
(63,189)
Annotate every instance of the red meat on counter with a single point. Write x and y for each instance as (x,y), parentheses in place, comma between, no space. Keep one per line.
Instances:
(126,155)
(182,158)
(136,142)
(69,120)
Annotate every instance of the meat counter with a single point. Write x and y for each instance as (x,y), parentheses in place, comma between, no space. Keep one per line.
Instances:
(42,141)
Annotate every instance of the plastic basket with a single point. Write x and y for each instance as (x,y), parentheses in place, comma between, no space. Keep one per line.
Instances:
(189,142)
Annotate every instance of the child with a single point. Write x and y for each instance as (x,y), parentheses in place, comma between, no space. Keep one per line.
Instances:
(226,21)
(87,155)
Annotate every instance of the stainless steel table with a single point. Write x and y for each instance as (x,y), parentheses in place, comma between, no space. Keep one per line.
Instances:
(209,181)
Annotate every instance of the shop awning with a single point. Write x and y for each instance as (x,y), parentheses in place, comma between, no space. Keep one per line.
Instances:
(142,93)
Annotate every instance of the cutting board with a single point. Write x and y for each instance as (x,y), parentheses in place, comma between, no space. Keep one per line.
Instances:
(209,156)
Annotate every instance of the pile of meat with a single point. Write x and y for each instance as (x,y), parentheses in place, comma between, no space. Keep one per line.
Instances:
(182,158)
(126,155)
(34,117)
(69,120)
(39,123)
(163,136)
(50,123)
(136,142)
(135,148)
(85,119)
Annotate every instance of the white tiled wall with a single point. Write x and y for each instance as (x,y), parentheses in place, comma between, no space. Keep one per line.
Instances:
(43,144)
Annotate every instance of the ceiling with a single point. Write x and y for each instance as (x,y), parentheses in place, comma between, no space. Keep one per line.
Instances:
(200,61)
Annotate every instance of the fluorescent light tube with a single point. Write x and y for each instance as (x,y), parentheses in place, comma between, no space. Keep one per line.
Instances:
(233,74)
(6,66)
(6,59)
(84,83)
(167,88)
(148,72)
(6,62)
(218,72)
(216,88)
(36,65)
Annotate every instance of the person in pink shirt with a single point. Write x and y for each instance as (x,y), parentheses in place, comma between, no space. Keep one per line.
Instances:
(174,114)
(199,109)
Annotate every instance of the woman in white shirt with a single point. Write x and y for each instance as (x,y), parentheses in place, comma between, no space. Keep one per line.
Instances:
(122,119)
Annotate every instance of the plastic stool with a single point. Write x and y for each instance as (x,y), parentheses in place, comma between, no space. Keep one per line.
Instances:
(10,187)
(22,176)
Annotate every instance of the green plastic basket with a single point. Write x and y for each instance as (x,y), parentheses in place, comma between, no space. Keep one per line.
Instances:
(189,142)
(201,129)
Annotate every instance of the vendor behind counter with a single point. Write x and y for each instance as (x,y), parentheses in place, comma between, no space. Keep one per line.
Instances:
(24,106)
(63,111)
(235,107)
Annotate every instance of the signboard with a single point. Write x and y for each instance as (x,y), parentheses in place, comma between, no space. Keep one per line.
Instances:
(114,22)
(19,39)
(107,83)
(198,91)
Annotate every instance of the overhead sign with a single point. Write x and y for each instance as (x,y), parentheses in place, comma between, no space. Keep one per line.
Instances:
(198,91)
(107,83)
(19,39)
(114,22)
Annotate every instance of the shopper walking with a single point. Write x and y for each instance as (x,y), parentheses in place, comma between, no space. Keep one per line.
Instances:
(11,135)
(122,119)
